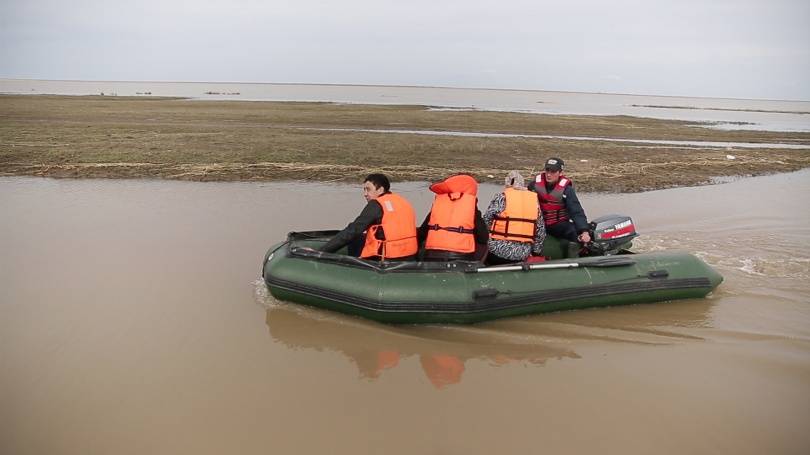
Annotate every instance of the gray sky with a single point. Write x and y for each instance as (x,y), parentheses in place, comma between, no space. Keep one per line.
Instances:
(720,48)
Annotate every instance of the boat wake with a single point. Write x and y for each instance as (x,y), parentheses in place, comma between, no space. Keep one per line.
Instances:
(780,260)
(262,297)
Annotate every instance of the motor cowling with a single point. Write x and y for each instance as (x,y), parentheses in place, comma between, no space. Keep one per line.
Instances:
(611,234)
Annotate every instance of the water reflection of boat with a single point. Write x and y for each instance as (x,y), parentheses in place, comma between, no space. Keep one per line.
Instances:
(374,348)
(465,291)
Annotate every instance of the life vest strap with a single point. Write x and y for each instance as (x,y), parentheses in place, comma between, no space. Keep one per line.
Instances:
(460,229)
(506,232)
(381,251)
(522,236)
(507,219)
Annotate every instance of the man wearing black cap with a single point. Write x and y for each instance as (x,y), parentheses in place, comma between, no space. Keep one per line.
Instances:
(558,200)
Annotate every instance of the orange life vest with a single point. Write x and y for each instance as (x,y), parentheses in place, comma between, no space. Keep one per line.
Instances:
(551,203)
(452,218)
(399,226)
(517,221)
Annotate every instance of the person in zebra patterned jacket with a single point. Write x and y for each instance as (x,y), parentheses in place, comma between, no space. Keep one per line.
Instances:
(506,251)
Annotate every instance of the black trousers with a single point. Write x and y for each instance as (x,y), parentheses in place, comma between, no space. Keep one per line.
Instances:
(493,259)
(355,247)
(564,230)
(479,254)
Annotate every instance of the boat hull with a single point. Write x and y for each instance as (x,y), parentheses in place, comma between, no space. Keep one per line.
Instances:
(465,292)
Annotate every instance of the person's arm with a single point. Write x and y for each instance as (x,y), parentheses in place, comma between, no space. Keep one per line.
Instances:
(371,214)
(576,212)
(539,234)
(421,231)
(496,206)
(481,229)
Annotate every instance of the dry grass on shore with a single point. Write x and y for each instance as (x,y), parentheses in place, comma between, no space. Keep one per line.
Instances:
(117,137)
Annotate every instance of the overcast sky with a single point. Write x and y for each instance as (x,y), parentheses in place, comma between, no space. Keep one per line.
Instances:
(720,48)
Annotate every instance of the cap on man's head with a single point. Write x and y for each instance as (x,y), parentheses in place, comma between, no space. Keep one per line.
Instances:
(554,164)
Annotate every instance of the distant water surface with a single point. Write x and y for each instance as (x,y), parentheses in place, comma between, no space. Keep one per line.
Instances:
(721,113)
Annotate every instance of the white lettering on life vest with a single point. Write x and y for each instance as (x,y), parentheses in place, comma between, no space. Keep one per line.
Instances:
(389,206)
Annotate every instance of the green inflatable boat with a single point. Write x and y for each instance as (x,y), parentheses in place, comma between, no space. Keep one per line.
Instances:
(467,291)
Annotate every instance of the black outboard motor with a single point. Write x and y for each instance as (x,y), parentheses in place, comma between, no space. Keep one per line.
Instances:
(611,234)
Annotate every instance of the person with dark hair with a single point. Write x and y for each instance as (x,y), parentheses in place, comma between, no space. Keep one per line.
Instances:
(454,228)
(385,229)
(562,212)
(377,181)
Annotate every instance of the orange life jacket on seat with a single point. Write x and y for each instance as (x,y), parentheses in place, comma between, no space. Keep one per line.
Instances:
(399,226)
(518,220)
(452,218)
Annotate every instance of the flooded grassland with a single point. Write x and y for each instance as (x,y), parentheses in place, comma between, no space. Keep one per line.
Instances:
(182,139)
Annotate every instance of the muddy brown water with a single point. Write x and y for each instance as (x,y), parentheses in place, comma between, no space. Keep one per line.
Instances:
(133,320)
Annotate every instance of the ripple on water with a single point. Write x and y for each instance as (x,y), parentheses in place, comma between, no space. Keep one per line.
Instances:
(262,295)
(750,266)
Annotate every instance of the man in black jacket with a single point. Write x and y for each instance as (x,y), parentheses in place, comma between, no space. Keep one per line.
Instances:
(354,235)
(558,200)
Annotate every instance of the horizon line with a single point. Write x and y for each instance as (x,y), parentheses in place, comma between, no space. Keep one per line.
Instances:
(447,87)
